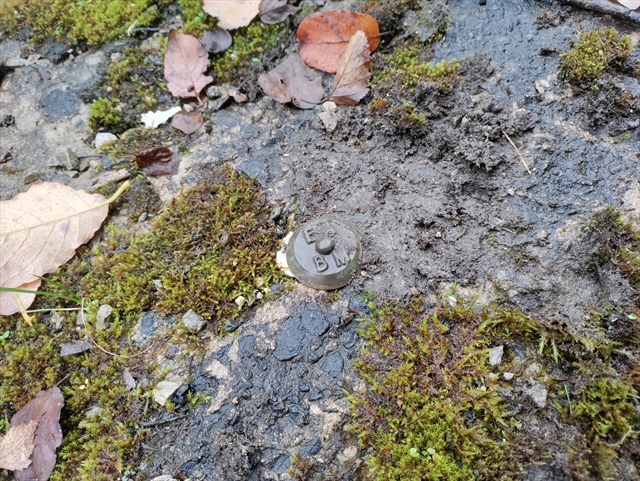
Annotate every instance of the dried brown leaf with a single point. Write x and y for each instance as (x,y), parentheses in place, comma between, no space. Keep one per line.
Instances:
(184,65)
(39,231)
(350,83)
(276,11)
(17,445)
(158,161)
(232,13)
(217,41)
(292,81)
(45,409)
(187,122)
(324,36)
(237,95)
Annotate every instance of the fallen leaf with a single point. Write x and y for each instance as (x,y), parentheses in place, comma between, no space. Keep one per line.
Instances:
(237,95)
(184,65)
(630,4)
(152,119)
(276,11)
(216,42)
(187,122)
(39,231)
(45,409)
(350,83)
(324,36)
(232,13)
(292,81)
(17,445)
(158,161)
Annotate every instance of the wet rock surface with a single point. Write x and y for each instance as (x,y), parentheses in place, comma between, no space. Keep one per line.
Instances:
(276,387)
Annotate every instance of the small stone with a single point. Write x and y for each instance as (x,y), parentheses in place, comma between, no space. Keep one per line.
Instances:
(529,37)
(31,178)
(157,284)
(16,62)
(495,356)
(348,455)
(533,370)
(193,321)
(329,120)
(542,235)
(231,325)
(165,391)
(315,394)
(54,162)
(71,160)
(414,292)
(104,138)
(329,107)
(164,477)
(508,376)
(633,123)
(75,347)
(536,392)
(104,317)
(240,300)
(259,296)
(55,321)
(504,392)
(214,92)
(276,214)
(453,302)
(73,173)
(141,219)
(187,108)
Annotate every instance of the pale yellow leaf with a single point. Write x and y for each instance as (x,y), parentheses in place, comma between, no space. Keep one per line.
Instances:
(232,13)
(17,445)
(352,76)
(40,230)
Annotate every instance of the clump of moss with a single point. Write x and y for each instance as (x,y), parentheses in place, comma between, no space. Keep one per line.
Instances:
(408,69)
(103,113)
(430,410)
(210,246)
(196,21)
(249,45)
(90,21)
(592,53)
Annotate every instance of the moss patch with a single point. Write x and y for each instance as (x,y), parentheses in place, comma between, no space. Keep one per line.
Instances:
(196,21)
(592,53)
(433,408)
(103,113)
(250,44)
(90,21)
(210,246)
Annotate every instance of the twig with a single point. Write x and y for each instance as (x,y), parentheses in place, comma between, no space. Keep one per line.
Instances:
(517,151)
(608,8)
(66,376)
(619,443)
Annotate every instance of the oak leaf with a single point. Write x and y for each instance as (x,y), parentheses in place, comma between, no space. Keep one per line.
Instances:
(276,11)
(17,445)
(324,36)
(350,82)
(232,13)
(184,65)
(292,81)
(187,122)
(39,231)
(45,409)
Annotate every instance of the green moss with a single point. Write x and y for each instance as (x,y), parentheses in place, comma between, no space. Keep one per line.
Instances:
(103,113)
(430,408)
(408,69)
(208,247)
(196,21)
(592,53)
(249,45)
(91,21)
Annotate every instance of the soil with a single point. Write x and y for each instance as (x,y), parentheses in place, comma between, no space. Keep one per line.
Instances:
(450,203)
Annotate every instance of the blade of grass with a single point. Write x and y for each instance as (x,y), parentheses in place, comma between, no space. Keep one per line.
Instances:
(43,293)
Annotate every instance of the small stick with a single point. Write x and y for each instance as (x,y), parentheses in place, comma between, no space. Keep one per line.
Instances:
(517,151)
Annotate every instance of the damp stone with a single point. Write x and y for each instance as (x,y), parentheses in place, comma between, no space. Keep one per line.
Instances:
(323,253)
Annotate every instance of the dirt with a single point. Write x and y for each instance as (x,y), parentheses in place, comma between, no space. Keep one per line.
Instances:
(448,203)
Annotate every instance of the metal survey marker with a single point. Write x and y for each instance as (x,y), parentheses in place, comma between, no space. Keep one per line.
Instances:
(323,253)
